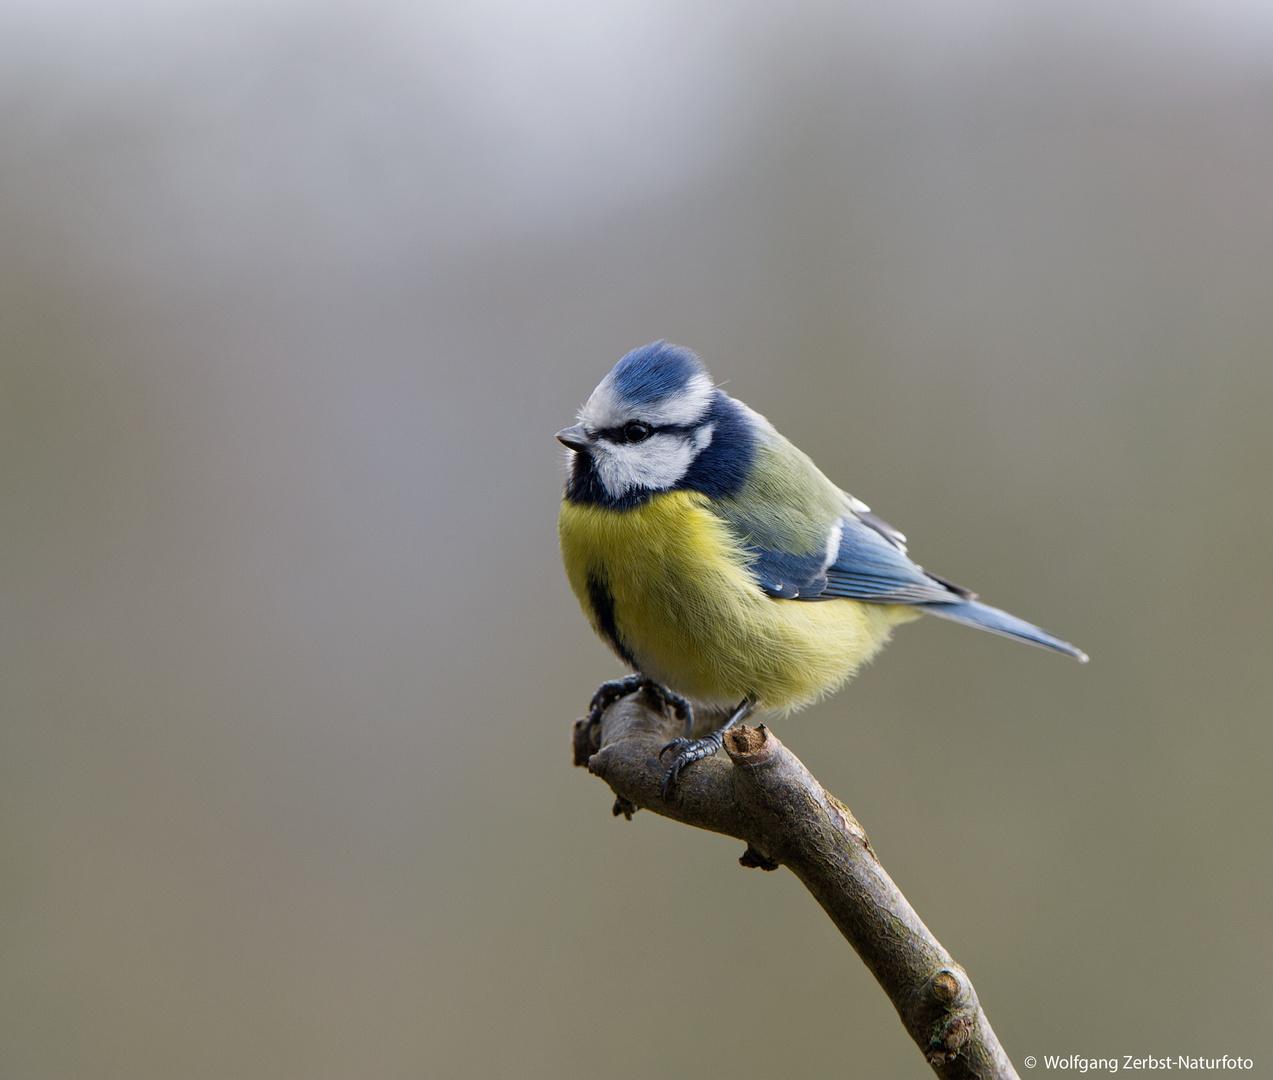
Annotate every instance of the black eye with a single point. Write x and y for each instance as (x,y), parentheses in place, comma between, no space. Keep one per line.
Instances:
(635,431)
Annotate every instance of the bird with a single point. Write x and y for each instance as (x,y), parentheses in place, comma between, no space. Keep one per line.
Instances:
(718,562)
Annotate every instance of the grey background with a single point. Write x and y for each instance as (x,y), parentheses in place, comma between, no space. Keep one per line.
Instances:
(292,299)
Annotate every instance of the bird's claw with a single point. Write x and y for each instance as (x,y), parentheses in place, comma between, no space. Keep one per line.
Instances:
(660,697)
(675,744)
(610,692)
(664,698)
(688,751)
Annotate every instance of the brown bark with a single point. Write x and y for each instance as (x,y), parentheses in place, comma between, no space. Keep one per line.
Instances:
(764,796)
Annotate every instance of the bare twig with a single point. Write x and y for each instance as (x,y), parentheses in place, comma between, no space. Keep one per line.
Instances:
(764,796)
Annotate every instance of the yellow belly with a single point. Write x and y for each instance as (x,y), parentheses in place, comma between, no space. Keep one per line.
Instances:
(689,614)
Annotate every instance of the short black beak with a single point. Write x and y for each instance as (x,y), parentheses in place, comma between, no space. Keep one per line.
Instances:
(575,437)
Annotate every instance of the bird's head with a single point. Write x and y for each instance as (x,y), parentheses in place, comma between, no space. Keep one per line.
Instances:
(644,424)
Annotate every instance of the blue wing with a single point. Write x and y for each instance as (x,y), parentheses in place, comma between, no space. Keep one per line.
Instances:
(870,564)
(864,559)
(785,576)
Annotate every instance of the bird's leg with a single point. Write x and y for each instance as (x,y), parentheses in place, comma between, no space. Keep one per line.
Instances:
(689,751)
(660,698)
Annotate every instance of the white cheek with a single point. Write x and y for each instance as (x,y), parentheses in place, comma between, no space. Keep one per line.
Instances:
(657,463)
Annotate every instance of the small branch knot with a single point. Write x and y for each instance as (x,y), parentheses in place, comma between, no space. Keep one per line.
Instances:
(951,1038)
(844,818)
(945,987)
(753,859)
(956,1025)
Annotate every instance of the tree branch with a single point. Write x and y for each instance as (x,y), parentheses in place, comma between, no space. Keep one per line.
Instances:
(764,796)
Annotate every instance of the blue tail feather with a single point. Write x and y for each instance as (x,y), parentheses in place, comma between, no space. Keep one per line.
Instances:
(985,617)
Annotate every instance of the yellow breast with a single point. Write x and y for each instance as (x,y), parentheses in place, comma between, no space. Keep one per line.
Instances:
(667,585)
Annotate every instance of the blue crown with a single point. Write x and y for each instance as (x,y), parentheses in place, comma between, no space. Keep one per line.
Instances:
(655,372)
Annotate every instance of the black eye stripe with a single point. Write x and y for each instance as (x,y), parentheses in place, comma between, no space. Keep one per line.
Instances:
(618,434)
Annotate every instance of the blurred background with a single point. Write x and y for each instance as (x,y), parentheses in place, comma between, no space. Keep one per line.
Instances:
(293,297)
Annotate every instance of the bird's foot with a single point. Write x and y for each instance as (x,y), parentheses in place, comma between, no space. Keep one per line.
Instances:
(664,699)
(689,751)
(610,692)
(660,697)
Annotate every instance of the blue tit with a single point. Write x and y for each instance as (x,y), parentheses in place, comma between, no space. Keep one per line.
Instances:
(718,562)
